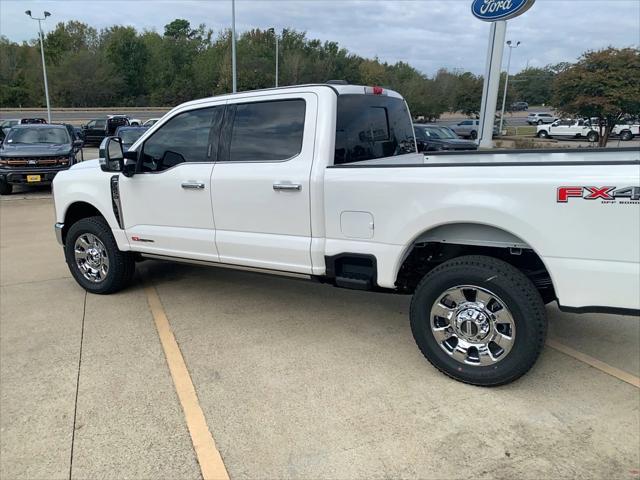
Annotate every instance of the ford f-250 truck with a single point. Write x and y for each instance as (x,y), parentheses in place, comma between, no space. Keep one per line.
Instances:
(324,181)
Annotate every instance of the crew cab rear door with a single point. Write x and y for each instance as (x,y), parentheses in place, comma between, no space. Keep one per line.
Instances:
(167,204)
(260,182)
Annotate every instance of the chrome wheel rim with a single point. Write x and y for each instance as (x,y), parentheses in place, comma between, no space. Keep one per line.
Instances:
(91,257)
(472,325)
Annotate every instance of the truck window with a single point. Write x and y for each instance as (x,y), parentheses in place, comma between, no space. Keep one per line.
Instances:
(184,138)
(267,131)
(372,126)
(99,124)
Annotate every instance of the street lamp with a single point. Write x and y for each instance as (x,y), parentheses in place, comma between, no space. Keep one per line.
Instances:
(506,82)
(44,68)
(233,45)
(275,34)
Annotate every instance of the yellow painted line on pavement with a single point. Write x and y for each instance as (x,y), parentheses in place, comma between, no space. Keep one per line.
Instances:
(595,363)
(208,456)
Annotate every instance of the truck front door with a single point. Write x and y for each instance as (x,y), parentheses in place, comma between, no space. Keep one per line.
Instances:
(261,182)
(167,204)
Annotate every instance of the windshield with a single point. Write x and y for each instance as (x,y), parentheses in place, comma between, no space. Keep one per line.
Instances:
(445,132)
(38,135)
(130,136)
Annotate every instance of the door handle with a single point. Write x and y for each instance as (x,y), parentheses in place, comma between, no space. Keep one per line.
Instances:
(295,187)
(193,185)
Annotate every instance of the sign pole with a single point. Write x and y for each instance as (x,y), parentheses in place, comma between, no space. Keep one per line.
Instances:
(491,83)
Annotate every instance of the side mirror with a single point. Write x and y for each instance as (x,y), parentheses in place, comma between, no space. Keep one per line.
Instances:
(113,160)
(78,144)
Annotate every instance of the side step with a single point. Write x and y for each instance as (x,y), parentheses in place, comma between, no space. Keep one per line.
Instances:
(352,270)
(354,281)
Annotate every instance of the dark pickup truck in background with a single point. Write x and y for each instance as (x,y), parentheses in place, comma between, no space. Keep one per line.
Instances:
(34,154)
(99,128)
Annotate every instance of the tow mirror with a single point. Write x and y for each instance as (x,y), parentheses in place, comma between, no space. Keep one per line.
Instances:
(78,144)
(113,160)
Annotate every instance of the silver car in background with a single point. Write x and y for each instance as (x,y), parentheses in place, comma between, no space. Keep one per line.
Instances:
(540,118)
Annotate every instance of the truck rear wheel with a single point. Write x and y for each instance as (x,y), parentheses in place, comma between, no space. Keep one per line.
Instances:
(479,320)
(93,257)
(626,135)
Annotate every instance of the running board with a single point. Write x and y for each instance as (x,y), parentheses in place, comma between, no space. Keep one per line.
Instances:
(229,266)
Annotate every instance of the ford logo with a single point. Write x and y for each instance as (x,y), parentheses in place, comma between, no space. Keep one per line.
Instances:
(494,10)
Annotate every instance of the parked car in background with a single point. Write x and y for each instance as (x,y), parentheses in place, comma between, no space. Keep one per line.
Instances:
(6,124)
(433,138)
(97,129)
(540,118)
(30,121)
(34,154)
(470,129)
(150,122)
(626,131)
(129,135)
(569,128)
(94,131)
(519,106)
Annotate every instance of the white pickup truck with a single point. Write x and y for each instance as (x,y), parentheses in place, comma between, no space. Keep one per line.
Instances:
(569,128)
(324,181)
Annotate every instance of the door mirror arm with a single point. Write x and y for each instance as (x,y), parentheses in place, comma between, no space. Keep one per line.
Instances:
(130,163)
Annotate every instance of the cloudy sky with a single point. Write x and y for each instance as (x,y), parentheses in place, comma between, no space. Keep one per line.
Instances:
(428,34)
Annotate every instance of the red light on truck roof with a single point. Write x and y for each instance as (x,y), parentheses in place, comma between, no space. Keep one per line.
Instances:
(374,90)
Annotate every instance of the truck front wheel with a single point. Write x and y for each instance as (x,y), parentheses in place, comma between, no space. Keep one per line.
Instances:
(93,257)
(479,320)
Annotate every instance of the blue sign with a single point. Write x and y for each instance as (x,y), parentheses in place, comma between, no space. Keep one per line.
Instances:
(494,10)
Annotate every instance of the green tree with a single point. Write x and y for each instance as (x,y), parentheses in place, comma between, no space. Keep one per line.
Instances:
(129,55)
(533,85)
(468,94)
(602,84)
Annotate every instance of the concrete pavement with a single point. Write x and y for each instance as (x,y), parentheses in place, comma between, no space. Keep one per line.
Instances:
(296,380)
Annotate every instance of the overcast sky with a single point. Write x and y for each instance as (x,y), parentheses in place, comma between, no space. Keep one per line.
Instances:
(428,34)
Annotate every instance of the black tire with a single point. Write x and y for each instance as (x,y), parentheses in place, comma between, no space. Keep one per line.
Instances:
(5,188)
(626,135)
(121,264)
(543,134)
(540,122)
(593,137)
(473,135)
(517,293)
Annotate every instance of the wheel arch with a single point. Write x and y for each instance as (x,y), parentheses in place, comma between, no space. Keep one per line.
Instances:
(77,211)
(450,240)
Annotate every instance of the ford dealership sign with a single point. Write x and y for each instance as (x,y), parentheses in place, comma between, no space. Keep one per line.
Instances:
(494,10)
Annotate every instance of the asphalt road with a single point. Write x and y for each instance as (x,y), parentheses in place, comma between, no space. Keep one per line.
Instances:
(294,380)
(83,116)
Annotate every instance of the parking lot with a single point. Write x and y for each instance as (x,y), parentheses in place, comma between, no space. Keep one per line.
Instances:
(294,379)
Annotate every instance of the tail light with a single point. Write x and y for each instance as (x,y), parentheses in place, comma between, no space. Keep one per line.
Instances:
(374,90)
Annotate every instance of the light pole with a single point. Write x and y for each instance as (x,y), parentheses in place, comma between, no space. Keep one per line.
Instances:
(275,34)
(506,81)
(233,46)
(44,67)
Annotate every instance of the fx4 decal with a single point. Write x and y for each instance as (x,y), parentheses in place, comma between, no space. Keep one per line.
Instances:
(610,194)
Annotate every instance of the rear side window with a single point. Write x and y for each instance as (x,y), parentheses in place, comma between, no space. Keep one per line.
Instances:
(267,131)
(372,126)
